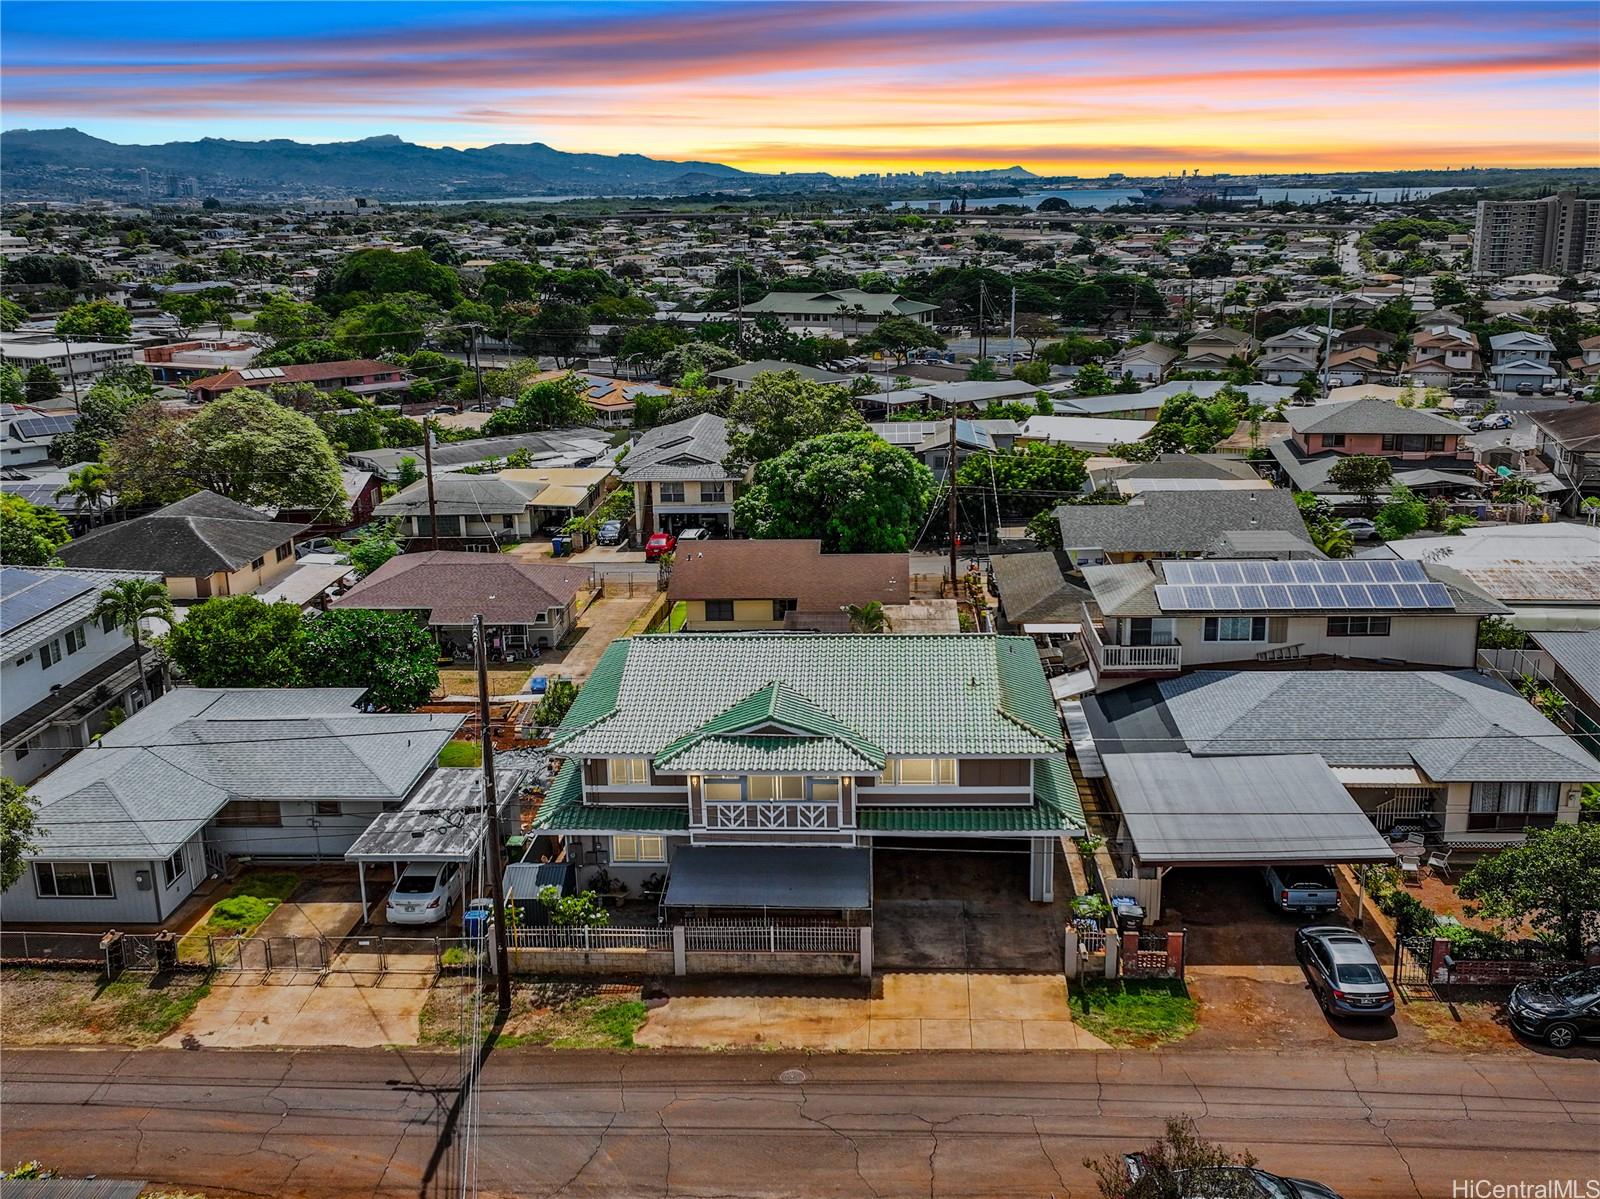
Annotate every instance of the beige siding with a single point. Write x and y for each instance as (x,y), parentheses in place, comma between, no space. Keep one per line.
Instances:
(1447,641)
(1458,805)
(747,614)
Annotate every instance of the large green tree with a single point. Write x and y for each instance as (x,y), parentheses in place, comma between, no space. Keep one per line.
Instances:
(1364,475)
(287,320)
(243,445)
(853,490)
(388,653)
(19,822)
(368,275)
(1551,881)
(547,404)
(29,534)
(1032,476)
(779,410)
(899,335)
(238,641)
(102,413)
(98,320)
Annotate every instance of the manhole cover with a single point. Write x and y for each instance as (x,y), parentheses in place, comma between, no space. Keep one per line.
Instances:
(793,1077)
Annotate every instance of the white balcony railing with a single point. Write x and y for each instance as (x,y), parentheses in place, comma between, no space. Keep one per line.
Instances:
(1129,659)
(762,816)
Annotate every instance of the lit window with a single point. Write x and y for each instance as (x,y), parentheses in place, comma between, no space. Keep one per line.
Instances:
(638,849)
(825,790)
(920,772)
(724,790)
(623,772)
(769,787)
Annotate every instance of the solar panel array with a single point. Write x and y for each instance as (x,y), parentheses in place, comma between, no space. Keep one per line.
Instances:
(1298,586)
(257,373)
(29,595)
(43,426)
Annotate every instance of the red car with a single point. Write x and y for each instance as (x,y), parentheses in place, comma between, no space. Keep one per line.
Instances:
(659,543)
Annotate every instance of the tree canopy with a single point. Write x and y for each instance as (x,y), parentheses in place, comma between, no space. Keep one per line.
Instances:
(29,534)
(19,821)
(1032,476)
(98,320)
(853,490)
(238,641)
(368,275)
(779,410)
(547,404)
(388,653)
(899,335)
(1364,475)
(1551,881)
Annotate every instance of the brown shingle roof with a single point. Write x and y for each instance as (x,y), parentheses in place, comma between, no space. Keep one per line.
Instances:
(796,570)
(305,372)
(453,587)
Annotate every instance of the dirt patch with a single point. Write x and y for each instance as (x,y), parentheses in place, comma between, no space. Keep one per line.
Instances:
(555,1014)
(78,1007)
(1476,1025)
(503,680)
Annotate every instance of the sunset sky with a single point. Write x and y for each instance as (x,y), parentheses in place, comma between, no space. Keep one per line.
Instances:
(846,87)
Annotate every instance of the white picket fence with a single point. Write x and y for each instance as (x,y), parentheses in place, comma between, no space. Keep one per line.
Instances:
(585,938)
(743,937)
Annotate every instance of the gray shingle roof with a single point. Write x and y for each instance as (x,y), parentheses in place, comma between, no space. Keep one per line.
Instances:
(39,602)
(1176,521)
(1455,725)
(154,780)
(685,449)
(1369,416)
(1577,654)
(1034,589)
(462,495)
(200,535)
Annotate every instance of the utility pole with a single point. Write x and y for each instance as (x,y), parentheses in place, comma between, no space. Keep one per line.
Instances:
(427,466)
(950,476)
(477,362)
(1011,340)
(491,826)
(983,321)
(72,372)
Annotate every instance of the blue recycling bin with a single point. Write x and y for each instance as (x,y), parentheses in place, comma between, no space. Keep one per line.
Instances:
(477,918)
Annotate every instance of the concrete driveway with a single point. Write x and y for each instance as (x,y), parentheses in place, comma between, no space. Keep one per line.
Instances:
(898,1011)
(600,624)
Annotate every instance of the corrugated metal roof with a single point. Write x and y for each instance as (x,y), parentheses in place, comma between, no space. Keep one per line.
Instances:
(793,877)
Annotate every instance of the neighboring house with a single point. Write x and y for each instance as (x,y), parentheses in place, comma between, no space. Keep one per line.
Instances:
(1148,363)
(1443,356)
(1348,368)
(1214,349)
(362,491)
(1428,451)
(26,434)
(488,511)
(740,377)
(1547,574)
(551,447)
(847,309)
(1450,751)
(61,673)
(1291,356)
(1570,442)
(960,393)
(523,604)
(678,477)
(77,364)
(203,545)
(181,361)
(1522,358)
(1587,364)
(807,750)
(1163,617)
(1573,668)
(1178,472)
(129,828)
(736,585)
(929,441)
(1034,590)
(363,376)
(1092,434)
(613,400)
(1380,341)
(1171,524)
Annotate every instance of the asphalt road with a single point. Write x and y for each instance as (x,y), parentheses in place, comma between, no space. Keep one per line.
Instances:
(326,1123)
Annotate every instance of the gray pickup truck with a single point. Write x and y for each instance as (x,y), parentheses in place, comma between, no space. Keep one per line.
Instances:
(1302,888)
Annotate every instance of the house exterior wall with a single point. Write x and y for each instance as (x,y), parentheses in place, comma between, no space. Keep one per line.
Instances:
(130,904)
(24,680)
(1372,444)
(303,833)
(1458,805)
(747,614)
(1441,641)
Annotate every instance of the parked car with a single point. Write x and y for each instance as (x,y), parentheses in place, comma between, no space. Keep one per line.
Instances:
(442,410)
(1344,974)
(613,532)
(1359,527)
(424,894)
(694,533)
(1234,1182)
(658,544)
(317,545)
(1558,1011)
(1547,389)
(1302,888)
(1524,389)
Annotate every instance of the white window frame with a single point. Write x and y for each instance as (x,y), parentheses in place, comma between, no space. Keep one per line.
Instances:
(1359,626)
(40,870)
(1226,628)
(638,849)
(175,867)
(775,788)
(943,772)
(628,772)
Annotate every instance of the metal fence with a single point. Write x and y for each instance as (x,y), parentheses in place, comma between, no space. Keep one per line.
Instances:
(751,937)
(585,938)
(70,948)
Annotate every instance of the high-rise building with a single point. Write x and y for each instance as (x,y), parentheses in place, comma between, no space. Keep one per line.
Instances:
(1559,233)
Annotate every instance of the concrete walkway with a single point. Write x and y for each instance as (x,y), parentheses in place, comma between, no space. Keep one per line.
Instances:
(903,1011)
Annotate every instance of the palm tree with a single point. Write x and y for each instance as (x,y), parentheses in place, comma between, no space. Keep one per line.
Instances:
(1333,539)
(869,618)
(89,486)
(129,601)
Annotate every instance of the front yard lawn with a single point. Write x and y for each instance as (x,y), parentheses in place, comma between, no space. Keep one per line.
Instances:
(251,901)
(78,1007)
(553,1014)
(461,753)
(1135,1013)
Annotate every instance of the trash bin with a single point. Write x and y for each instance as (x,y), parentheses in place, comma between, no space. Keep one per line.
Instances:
(477,918)
(558,546)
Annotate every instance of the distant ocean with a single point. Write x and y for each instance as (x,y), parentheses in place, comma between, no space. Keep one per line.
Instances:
(1110,197)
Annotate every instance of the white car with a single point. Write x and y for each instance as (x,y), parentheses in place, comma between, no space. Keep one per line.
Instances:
(425,893)
(694,533)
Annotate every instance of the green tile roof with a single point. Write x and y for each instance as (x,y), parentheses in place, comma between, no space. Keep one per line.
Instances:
(910,695)
(563,811)
(1055,810)
(830,746)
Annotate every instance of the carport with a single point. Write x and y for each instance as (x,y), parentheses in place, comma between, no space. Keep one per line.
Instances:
(442,822)
(1180,809)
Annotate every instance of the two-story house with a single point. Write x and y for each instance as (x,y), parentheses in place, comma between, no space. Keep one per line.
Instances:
(1570,442)
(62,672)
(1147,362)
(1442,356)
(1292,355)
(685,743)
(203,545)
(1429,452)
(678,477)
(1163,617)
(1215,349)
(1521,358)
(929,441)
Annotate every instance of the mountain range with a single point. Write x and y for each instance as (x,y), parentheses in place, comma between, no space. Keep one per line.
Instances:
(385,165)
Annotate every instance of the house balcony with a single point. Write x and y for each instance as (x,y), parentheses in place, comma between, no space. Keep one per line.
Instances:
(791,822)
(1128,660)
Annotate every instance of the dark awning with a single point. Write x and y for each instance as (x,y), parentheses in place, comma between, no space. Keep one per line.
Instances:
(1240,811)
(749,876)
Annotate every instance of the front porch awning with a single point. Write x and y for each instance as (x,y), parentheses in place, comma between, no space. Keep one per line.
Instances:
(1257,810)
(798,877)
(1381,776)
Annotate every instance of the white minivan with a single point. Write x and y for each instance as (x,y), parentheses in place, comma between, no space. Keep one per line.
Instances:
(425,893)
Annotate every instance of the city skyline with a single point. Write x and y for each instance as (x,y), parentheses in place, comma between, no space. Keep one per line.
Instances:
(1057,88)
